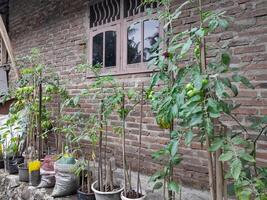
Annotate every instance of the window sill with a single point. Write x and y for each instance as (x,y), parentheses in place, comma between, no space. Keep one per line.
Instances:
(122,73)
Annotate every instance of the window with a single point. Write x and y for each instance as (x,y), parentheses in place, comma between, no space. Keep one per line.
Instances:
(141,38)
(122,36)
(104,49)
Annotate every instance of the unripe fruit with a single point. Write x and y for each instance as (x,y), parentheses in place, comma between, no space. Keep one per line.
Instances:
(189,86)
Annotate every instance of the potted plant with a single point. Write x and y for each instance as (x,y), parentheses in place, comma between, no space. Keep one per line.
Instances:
(99,91)
(103,189)
(129,192)
(34,172)
(23,172)
(2,163)
(87,132)
(83,170)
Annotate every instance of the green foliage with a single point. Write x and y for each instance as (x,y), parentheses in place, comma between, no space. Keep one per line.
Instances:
(193,96)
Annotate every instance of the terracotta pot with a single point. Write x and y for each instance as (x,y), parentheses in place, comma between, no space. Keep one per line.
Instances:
(115,195)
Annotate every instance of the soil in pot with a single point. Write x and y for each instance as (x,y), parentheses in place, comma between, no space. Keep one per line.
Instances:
(115,194)
(84,195)
(13,163)
(23,173)
(132,195)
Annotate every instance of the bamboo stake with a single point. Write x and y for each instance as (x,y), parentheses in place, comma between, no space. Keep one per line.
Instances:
(203,67)
(140,141)
(100,167)
(123,145)
(40,122)
(219,176)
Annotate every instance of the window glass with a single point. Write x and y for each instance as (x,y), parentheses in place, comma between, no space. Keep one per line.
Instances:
(98,49)
(134,44)
(110,49)
(151,36)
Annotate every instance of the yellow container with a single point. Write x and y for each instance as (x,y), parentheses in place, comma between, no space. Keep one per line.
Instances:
(34,165)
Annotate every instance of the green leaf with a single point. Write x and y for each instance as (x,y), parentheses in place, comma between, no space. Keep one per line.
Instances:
(176,160)
(198,81)
(244,195)
(174,148)
(223,23)
(225,59)
(226,156)
(247,157)
(243,80)
(219,89)
(157,176)
(189,137)
(216,145)
(235,168)
(186,46)
(209,126)
(174,110)
(213,24)
(157,186)
(173,186)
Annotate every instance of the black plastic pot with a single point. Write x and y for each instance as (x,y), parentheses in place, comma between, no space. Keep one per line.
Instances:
(35,178)
(85,196)
(2,164)
(23,173)
(13,163)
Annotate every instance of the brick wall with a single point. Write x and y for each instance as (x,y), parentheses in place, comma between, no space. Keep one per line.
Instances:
(57,28)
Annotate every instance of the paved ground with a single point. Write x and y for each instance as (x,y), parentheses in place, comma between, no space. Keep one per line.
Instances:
(12,189)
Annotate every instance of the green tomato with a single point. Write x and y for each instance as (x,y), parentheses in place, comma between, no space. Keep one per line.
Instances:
(189,86)
(190,93)
(205,82)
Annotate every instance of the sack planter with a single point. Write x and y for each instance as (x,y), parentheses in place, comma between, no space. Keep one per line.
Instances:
(114,195)
(85,196)
(23,173)
(125,198)
(12,164)
(66,180)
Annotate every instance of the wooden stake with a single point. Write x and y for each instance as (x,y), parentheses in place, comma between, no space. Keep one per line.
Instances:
(219,176)
(140,141)
(40,153)
(100,167)
(123,145)
(9,48)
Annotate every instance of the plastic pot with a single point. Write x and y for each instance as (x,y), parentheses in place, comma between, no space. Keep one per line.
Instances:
(85,196)
(125,198)
(23,173)
(35,178)
(2,164)
(115,195)
(13,162)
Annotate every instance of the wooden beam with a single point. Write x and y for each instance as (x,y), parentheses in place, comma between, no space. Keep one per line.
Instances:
(9,48)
